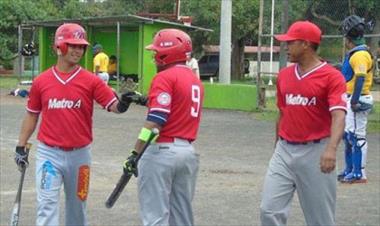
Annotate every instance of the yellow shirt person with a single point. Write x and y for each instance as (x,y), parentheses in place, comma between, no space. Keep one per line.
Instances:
(362,64)
(101,62)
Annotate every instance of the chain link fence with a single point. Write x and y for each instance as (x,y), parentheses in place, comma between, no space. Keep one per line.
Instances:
(327,14)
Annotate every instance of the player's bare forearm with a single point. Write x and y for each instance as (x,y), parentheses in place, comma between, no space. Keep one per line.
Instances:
(113,107)
(328,157)
(28,126)
(139,143)
(337,128)
(97,70)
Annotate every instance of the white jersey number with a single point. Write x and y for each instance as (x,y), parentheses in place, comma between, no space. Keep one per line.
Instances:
(196,98)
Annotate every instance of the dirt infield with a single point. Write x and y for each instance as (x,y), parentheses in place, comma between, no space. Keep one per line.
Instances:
(234,148)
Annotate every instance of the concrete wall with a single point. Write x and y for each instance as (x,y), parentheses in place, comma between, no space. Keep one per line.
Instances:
(232,97)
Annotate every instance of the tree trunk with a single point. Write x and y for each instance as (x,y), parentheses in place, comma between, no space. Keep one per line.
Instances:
(373,43)
(237,59)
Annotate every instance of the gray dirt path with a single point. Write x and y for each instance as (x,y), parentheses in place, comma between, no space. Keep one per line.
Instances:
(234,148)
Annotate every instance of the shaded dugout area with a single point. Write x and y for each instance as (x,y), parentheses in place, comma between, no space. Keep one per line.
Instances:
(122,36)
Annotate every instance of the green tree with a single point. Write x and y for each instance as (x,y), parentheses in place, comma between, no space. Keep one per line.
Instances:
(244,26)
(13,13)
(330,14)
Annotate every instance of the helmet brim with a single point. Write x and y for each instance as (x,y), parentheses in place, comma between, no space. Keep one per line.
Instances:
(150,47)
(77,42)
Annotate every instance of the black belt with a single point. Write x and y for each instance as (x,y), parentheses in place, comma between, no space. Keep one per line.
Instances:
(301,143)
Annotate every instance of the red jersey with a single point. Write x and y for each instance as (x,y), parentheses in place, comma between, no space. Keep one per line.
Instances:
(66,102)
(306,101)
(177,93)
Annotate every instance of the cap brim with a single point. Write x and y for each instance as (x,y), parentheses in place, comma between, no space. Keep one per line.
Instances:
(284,38)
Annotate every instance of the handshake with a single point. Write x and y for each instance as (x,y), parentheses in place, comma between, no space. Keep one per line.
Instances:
(134,97)
(130,97)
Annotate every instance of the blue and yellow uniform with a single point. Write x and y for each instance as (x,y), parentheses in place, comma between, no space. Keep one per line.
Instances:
(358,62)
(358,71)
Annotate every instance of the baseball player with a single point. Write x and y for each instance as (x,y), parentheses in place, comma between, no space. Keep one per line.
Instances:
(64,96)
(312,104)
(167,171)
(101,62)
(357,69)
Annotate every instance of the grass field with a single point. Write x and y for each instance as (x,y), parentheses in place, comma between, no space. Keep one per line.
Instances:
(7,82)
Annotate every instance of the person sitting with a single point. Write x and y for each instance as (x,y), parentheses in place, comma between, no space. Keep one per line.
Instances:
(112,67)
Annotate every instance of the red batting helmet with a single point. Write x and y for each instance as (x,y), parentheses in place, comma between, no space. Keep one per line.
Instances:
(170,45)
(69,33)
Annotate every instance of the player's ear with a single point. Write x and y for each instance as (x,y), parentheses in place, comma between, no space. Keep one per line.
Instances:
(59,52)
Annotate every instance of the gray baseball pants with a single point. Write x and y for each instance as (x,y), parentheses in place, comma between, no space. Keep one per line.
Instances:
(55,167)
(296,168)
(166,183)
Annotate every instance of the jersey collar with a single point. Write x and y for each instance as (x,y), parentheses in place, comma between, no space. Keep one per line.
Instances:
(73,74)
(309,72)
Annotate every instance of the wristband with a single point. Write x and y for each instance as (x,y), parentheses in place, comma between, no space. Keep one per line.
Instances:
(145,134)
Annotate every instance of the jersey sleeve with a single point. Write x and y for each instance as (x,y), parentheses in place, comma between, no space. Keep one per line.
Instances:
(34,101)
(361,62)
(337,97)
(160,95)
(103,94)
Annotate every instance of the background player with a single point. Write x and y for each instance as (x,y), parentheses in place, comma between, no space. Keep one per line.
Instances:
(101,62)
(311,102)
(167,171)
(64,96)
(357,69)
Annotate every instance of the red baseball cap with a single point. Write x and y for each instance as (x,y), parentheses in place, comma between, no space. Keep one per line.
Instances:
(302,30)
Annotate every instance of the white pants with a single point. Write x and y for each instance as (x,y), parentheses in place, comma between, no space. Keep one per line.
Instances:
(296,168)
(166,183)
(356,122)
(104,76)
(55,167)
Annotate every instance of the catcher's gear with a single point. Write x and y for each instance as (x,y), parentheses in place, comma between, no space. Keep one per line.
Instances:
(347,157)
(21,157)
(130,164)
(353,27)
(170,45)
(69,33)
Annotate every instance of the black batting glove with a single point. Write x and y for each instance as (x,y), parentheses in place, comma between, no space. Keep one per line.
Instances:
(142,100)
(21,157)
(129,97)
(130,164)
(134,97)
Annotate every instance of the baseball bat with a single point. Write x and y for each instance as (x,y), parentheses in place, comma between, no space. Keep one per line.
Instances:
(17,205)
(124,179)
